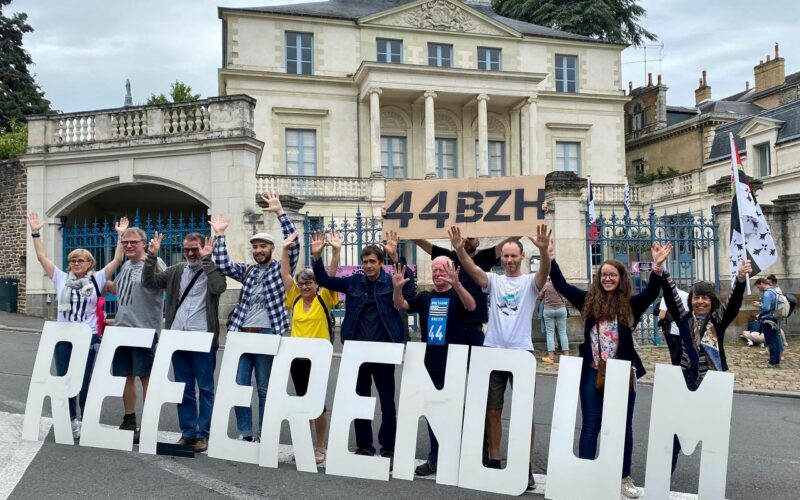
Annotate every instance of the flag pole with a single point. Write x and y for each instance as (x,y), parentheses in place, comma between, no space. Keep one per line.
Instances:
(735,176)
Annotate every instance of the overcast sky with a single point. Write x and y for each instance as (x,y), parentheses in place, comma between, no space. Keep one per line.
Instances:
(85,49)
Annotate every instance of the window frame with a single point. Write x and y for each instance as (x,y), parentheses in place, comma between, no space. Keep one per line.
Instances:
(486,63)
(301,153)
(440,143)
(388,53)
(762,152)
(439,58)
(565,158)
(298,48)
(502,156)
(562,80)
(389,169)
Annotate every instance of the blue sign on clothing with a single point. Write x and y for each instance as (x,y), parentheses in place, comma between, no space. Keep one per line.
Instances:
(437,320)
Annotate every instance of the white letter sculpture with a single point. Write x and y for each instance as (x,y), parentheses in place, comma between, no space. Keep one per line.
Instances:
(513,480)
(703,415)
(599,478)
(298,410)
(230,394)
(104,384)
(161,389)
(347,406)
(60,389)
(442,408)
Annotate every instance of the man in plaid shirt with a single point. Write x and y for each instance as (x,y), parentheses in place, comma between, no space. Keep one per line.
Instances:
(260,308)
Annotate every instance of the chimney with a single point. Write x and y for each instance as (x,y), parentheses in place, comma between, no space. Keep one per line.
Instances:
(703,92)
(747,85)
(630,88)
(659,79)
(770,73)
(649,79)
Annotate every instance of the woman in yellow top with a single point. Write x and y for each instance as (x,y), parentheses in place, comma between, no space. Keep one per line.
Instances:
(309,319)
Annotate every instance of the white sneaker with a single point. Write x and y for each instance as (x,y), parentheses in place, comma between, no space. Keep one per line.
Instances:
(629,489)
(76,428)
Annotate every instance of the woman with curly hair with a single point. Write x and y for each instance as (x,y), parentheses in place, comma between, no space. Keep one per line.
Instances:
(610,313)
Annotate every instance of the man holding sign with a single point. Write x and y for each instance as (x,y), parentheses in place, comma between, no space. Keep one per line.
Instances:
(512,299)
(441,315)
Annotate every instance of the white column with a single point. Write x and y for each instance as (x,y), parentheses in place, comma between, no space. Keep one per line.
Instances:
(430,136)
(483,137)
(375,132)
(533,147)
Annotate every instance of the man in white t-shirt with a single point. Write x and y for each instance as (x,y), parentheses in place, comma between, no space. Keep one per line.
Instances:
(672,336)
(512,301)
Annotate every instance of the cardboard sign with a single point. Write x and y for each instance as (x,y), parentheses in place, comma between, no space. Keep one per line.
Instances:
(484,206)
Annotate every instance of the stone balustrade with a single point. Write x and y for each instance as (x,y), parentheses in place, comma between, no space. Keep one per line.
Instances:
(211,118)
(613,193)
(323,188)
(682,185)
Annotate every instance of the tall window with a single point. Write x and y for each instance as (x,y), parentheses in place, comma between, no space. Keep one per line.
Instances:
(497,158)
(440,54)
(301,152)
(566,73)
(762,166)
(488,59)
(637,120)
(390,51)
(393,157)
(446,159)
(568,157)
(299,53)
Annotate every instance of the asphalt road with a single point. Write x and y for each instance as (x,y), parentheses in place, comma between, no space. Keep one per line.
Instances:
(764,459)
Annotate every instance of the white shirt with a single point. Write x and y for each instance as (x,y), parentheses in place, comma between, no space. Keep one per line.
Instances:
(511,305)
(82,308)
(673,328)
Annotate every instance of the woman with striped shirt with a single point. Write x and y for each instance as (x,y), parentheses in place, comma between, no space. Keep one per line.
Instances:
(77,291)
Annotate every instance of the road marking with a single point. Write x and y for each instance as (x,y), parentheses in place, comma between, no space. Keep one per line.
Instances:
(200,479)
(15,454)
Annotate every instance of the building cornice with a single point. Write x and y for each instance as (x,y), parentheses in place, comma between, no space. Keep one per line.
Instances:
(579,96)
(680,128)
(367,67)
(286,77)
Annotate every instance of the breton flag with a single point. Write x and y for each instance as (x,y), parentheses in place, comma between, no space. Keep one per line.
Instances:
(593,231)
(627,209)
(750,236)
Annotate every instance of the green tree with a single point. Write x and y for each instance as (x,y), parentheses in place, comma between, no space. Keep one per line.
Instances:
(20,95)
(610,20)
(13,141)
(178,92)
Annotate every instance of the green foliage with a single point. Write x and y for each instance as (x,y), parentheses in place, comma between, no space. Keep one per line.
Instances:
(610,20)
(20,95)
(14,140)
(178,92)
(659,175)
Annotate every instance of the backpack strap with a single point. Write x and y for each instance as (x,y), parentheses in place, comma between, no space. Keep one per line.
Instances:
(189,287)
(328,316)
(96,288)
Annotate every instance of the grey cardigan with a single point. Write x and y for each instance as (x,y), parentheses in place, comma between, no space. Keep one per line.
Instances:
(170,280)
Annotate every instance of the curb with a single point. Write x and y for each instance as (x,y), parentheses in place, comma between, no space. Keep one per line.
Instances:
(15,329)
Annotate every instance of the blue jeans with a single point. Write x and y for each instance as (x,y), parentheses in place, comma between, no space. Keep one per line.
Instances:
(383,375)
(556,319)
(195,368)
(773,340)
(62,354)
(592,415)
(262,366)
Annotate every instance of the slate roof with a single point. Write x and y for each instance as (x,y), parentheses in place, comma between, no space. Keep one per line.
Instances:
(677,114)
(356,9)
(790,131)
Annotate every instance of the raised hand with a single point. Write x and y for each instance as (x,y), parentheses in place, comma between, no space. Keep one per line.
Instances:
(451,277)
(542,238)
(661,252)
(273,203)
(455,238)
(399,276)
(218,224)
(122,226)
(34,222)
(317,244)
(336,241)
(155,243)
(744,270)
(206,246)
(392,241)
(288,241)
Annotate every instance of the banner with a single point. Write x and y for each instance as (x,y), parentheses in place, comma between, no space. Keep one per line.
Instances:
(480,206)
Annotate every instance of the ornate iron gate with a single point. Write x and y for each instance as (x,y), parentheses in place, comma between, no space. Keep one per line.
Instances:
(694,256)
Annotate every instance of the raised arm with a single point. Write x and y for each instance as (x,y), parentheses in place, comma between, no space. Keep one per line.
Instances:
(320,276)
(336,253)
(467,300)
(392,242)
(287,226)
(477,274)
(221,258)
(399,280)
(150,278)
(425,245)
(542,242)
(730,309)
(36,235)
(216,281)
(671,298)
(119,252)
(572,293)
(286,267)
(641,301)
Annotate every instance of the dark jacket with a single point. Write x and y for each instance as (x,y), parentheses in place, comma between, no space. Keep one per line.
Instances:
(170,280)
(720,319)
(639,303)
(355,287)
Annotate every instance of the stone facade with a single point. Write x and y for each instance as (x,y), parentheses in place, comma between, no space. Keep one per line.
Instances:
(13,208)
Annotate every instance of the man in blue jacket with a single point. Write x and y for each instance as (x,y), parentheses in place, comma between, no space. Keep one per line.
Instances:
(371,316)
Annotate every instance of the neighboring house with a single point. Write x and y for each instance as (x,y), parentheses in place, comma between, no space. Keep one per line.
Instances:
(350,93)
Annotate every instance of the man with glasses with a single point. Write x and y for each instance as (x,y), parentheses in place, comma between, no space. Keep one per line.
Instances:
(138,307)
(260,308)
(193,290)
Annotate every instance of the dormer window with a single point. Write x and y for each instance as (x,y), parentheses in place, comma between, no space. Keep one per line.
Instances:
(637,120)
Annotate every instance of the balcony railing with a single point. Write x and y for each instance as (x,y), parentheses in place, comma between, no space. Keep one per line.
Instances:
(318,188)
(206,118)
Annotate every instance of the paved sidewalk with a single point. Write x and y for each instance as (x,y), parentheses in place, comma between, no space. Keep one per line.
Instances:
(20,322)
(743,362)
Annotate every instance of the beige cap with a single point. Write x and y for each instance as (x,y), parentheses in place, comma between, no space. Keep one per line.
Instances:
(262,237)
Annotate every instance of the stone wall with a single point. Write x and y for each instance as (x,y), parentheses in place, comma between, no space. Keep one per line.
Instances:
(13,205)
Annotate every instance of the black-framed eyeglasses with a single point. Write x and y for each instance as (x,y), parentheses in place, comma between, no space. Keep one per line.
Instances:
(190,250)
(131,243)
(306,284)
